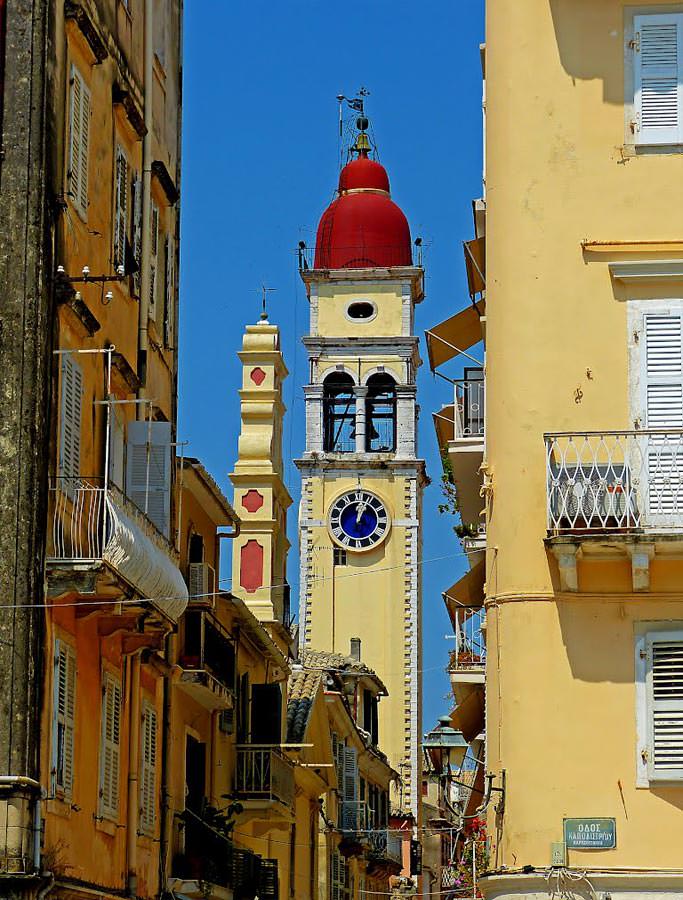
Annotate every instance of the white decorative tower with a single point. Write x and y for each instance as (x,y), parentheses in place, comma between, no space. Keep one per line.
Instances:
(361,478)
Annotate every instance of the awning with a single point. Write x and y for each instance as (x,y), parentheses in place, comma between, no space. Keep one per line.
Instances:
(468,716)
(444,423)
(455,335)
(467,591)
(475,263)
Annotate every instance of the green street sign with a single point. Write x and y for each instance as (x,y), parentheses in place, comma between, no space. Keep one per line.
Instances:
(590,834)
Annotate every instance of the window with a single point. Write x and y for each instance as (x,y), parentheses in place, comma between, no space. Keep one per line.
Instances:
(657,48)
(659,686)
(71,394)
(339,413)
(148,769)
(110,747)
(64,714)
(361,311)
(148,476)
(79,139)
(338,556)
(121,178)
(380,436)
(339,877)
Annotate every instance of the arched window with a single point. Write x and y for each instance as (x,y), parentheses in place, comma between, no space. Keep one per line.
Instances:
(380,424)
(339,413)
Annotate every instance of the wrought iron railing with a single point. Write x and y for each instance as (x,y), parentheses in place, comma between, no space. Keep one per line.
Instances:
(618,481)
(470,405)
(354,816)
(263,773)
(470,646)
(387,844)
(207,855)
(356,256)
(208,646)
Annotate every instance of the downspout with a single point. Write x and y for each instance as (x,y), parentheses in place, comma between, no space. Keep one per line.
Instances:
(166,767)
(132,812)
(146,242)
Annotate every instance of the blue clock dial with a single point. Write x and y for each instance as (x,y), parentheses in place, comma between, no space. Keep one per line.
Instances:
(358,520)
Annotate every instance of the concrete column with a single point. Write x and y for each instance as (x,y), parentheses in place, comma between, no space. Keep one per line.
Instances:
(313,394)
(405,421)
(361,393)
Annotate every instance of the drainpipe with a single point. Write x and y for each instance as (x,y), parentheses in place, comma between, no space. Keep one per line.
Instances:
(132,813)
(166,830)
(146,243)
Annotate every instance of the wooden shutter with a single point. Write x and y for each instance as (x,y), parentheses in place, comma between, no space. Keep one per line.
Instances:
(658,69)
(350,758)
(71,389)
(148,476)
(169,294)
(120,208)
(154,249)
(64,716)
(110,747)
(664,681)
(663,399)
(79,138)
(137,232)
(148,759)
(335,876)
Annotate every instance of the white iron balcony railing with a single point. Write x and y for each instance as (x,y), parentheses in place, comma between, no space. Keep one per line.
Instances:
(470,647)
(263,773)
(616,481)
(96,524)
(469,404)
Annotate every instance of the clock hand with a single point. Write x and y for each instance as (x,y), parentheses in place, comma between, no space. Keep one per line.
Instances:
(359,513)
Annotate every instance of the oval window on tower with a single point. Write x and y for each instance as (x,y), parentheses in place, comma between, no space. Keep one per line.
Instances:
(361,310)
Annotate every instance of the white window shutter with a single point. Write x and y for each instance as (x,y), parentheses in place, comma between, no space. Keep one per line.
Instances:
(110,747)
(79,139)
(148,756)
(658,69)
(664,682)
(137,232)
(71,399)
(149,471)
(117,447)
(121,208)
(64,715)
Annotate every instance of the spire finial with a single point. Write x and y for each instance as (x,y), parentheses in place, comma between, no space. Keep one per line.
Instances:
(264,291)
(362,144)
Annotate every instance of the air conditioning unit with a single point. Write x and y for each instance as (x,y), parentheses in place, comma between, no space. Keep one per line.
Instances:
(593,497)
(201,585)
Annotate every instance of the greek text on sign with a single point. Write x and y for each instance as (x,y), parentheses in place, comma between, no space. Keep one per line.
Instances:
(590,834)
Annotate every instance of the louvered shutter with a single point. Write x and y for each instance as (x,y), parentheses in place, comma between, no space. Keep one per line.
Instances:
(79,139)
(71,389)
(117,447)
(664,680)
(110,748)
(121,208)
(169,294)
(335,876)
(663,395)
(658,69)
(154,249)
(64,715)
(148,476)
(148,756)
(137,233)
(350,759)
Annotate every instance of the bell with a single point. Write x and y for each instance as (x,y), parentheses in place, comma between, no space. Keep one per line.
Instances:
(374,434)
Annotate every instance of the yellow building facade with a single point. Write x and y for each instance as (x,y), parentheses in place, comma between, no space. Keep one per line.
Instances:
(362,478)
(580,475)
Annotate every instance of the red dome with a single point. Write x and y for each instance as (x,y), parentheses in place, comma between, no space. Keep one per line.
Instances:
(363,227)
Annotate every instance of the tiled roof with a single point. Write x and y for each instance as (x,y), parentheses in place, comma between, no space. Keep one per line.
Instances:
(303,686)
(322,659)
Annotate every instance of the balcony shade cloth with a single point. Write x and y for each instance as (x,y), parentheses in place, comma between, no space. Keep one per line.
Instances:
(475,264)
(468,716)
(444,423)
(467,591)
(131,551)
(454,335)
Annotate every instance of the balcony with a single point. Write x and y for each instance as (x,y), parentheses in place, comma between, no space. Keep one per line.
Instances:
(210,866)
(386,853)
(207,658)
(460,432)
(264,781)
(354,816)
(100,544)
(614,490)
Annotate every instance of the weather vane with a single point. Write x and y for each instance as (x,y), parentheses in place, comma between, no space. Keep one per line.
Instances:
(357,104)
(265,290)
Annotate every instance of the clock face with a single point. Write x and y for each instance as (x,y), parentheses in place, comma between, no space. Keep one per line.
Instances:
(358,520)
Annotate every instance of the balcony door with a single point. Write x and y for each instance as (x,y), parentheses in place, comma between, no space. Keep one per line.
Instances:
(195,774)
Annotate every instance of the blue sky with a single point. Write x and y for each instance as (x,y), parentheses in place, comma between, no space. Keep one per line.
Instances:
(260,163)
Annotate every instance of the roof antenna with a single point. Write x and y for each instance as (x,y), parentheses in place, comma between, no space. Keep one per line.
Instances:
(264,312)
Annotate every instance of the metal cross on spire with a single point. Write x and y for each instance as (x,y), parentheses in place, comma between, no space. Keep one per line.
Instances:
(265,290)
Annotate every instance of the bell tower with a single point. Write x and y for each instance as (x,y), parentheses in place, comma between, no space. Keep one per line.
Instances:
(362,480)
